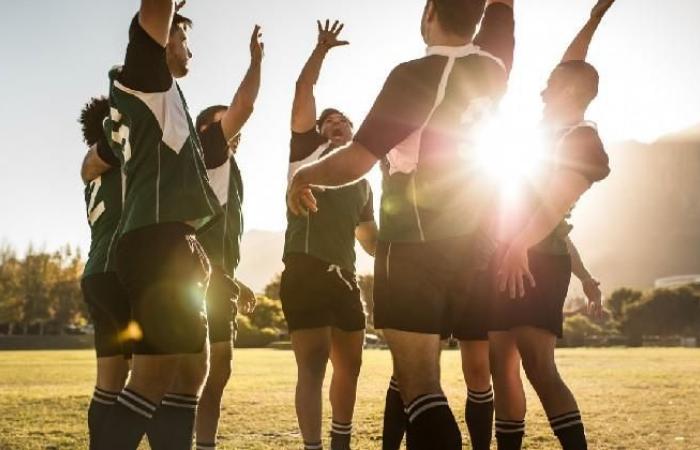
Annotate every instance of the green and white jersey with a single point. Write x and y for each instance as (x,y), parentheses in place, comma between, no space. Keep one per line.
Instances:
(222,240)
(329,234)
(103,199)
(151,132)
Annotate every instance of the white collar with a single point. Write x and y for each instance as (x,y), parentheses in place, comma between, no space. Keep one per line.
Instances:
(451,51)
(461,52)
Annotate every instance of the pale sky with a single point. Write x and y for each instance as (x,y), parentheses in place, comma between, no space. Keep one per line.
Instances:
(56,54)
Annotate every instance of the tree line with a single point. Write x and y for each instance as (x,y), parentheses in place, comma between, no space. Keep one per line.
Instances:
(40,294)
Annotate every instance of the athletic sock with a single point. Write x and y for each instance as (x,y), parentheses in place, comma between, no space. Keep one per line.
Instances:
(478,414)
(313,445)
(206,446)
(509,434)
(394,418)
(569,430)
(340,435)
(100,405)
(172,426)
(125,423)
(431,424)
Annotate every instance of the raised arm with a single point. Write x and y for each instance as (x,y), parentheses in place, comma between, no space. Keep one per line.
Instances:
(497,32)
(155,17)
(304,107)
(243,101)
(578,49)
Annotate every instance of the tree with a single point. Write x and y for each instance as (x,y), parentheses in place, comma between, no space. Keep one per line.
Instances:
(621,299)
(11,299)
(272,290)
(578,327)
(664,312)
(268,314)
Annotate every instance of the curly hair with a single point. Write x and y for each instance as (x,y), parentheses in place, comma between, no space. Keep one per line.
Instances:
(91,119)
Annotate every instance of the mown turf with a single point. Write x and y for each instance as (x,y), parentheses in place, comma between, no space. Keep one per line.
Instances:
(639,399)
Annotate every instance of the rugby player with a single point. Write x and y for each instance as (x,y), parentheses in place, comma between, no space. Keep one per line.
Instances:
(103,293)
(535,269)
(319,290)
(433,201)
(219,130)
(167,198)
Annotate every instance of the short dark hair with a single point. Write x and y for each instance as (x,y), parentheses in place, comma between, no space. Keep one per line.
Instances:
(329,112)
(585,78)
(459,17)
(91,119)
(179,19)
(206,117)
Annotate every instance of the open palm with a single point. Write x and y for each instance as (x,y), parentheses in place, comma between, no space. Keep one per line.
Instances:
(328,35)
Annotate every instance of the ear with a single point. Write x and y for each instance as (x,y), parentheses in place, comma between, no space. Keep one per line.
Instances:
(430,11)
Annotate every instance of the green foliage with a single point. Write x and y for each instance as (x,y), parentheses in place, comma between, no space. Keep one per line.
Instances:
(272,290)
(620,300)
(268,314)
(251,336)
(578,327)
(664,312)
(41,289)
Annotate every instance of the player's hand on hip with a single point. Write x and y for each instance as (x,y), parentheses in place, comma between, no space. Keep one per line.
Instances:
(515,272)
(328,34)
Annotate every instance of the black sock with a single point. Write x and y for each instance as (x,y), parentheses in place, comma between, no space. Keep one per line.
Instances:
(100,405)
(431,424)
(394,418)
(125,423)
(509,434)
(478,414)
(172,426)
(569,430)
(340,435)
(206,446)
(313,445)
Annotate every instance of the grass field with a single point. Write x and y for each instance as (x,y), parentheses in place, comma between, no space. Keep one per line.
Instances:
(631,399)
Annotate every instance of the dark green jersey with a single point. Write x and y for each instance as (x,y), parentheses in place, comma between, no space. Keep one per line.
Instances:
(151,131)
(579,149)
(222,240)
(103,199)
(329,234)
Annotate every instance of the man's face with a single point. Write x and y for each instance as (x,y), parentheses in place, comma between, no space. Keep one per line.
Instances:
(556,96)
(337,129)
(178,53)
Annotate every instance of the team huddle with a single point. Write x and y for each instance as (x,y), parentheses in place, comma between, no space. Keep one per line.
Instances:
(164,199)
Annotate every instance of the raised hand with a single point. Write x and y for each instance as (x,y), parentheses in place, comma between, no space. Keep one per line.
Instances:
(257,48)
(328,35)
(601,8)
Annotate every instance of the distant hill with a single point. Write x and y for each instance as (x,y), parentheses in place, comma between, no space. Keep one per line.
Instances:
(643,222)
(640,224)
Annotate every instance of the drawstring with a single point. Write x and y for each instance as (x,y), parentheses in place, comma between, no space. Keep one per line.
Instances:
(338,271)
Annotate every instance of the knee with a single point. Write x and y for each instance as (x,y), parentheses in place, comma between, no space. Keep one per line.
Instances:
(540,371)
(348,367)
(477,373)
(313,363)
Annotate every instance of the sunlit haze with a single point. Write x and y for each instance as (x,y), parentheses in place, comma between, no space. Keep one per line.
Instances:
(56,55)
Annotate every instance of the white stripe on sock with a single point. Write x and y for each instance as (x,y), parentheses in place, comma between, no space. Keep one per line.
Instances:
(426,407)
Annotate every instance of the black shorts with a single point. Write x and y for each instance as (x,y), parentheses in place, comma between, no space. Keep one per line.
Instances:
(165,273)
(110,313)
(429,287)
(222,307)
(316,294)
(542,307)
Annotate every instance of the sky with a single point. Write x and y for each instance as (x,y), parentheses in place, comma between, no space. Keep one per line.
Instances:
(56,54)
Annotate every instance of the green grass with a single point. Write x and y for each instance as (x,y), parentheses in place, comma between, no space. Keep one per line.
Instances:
(631,399)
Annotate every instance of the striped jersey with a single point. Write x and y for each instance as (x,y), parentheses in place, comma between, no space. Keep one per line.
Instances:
(103,200)
(222,239)
(151,132)
(329,234)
